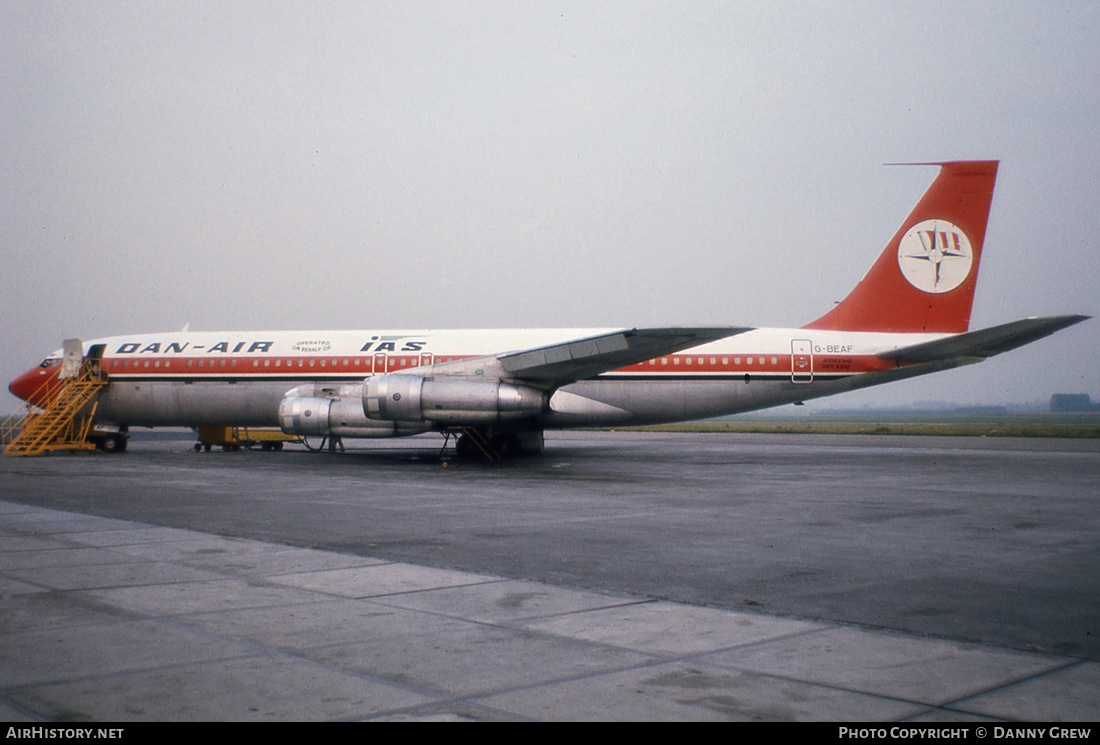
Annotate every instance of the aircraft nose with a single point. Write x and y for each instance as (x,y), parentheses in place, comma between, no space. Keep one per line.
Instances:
(27,384)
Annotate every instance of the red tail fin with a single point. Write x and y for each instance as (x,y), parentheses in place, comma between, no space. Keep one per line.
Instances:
(924,280)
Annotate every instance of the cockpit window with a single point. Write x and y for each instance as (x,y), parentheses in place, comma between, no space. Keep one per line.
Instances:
(50,362)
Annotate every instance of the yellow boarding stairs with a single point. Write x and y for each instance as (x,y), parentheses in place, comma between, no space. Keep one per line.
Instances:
(64,423)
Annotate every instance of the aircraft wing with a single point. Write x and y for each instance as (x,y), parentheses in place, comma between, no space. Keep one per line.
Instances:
(577,359)
(587,358)
(985,342)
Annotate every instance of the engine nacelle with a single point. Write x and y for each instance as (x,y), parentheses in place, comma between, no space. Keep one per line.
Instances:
(322,416)
(303,416)
(412,398)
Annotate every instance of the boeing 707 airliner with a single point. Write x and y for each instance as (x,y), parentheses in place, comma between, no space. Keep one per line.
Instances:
(908,316)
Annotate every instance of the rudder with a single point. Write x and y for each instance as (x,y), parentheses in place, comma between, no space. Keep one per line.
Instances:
(924,279)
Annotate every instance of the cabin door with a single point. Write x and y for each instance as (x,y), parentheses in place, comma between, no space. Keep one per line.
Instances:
(802,361)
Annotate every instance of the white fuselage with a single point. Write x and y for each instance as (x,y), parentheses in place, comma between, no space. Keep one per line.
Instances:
(240,378)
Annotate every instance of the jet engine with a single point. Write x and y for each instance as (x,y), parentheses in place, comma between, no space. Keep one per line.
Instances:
(310,411)
(412,398)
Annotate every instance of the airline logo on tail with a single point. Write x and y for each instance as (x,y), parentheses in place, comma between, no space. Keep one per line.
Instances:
(935,256)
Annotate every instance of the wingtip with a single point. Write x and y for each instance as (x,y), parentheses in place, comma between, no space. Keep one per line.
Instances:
(944,163)
(1069,319)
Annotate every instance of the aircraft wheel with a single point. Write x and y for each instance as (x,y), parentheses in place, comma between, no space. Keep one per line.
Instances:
(465,447)
(506,445)
(112,443)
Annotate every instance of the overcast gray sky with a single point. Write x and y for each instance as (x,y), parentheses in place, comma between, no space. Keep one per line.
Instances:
(271,164)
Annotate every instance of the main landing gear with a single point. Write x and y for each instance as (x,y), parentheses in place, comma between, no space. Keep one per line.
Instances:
(475,443)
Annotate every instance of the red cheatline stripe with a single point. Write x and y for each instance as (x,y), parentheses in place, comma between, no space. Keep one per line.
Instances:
(679,365)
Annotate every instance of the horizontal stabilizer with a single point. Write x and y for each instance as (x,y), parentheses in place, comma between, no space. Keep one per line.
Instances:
(985,342)
(586,358)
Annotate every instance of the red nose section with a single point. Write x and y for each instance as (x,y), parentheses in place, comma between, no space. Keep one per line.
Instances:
(36,385)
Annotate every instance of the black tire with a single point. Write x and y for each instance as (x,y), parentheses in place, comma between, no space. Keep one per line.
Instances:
(506,444)
(465,447)
(113,443)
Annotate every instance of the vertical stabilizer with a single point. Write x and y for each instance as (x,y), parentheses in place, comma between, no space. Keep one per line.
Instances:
(924,280)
